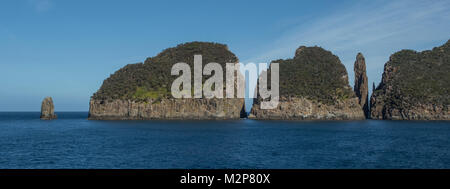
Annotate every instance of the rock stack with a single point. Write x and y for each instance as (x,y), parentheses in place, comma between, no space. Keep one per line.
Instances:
(48,109)
(361,86)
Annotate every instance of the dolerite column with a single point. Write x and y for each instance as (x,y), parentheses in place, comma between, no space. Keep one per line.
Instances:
(361,87)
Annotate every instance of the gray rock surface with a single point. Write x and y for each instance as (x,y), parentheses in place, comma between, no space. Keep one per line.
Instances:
(167,109)
(293,108)
(361,86)
(48,109)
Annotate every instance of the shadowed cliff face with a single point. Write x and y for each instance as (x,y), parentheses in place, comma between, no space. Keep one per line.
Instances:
(361,86)
(143,90)
(414,86)
(313,86)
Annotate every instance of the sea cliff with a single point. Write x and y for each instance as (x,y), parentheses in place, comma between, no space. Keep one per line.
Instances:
(298,108)
(165,109)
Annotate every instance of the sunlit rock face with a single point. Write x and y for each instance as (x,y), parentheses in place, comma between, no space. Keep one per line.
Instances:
(48,109)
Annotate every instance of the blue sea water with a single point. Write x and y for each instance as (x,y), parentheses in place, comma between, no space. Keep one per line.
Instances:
(72,141)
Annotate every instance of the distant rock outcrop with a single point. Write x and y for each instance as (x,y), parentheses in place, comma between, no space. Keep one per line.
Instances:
(143,90)
(313,86)
(414,86)
(48,109)
(361,86)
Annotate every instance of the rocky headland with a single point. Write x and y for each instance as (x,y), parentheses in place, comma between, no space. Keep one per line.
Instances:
(313,86)
(143,90)
(414,86)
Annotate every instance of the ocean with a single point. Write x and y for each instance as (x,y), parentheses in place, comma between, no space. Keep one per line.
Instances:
(72,141)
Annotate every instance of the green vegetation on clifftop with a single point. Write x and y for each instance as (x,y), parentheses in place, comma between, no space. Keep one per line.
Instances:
(412,77)
(152,79)
(316,74)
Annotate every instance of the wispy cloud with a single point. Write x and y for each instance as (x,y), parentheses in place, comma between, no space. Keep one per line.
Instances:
(41,5)
(375,28)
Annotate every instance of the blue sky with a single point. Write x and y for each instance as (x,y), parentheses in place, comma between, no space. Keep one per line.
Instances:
(65,49)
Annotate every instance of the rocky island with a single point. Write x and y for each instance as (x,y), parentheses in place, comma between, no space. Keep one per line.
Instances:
(48,109)
(313,86)
(143,90)
(414,86)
